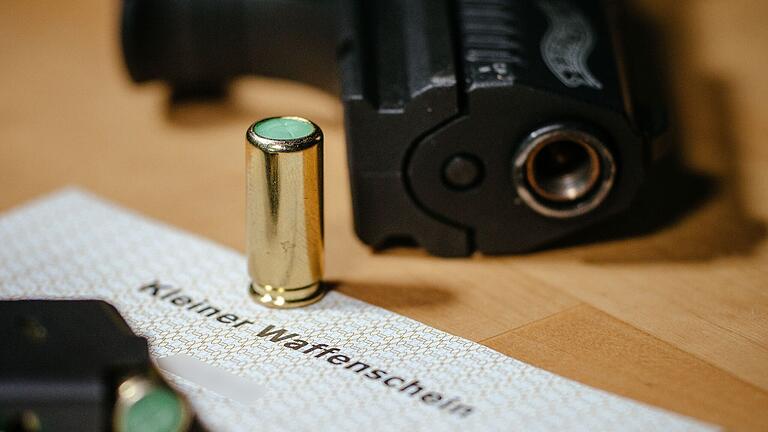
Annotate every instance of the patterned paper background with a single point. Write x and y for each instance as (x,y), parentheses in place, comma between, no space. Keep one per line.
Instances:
(73,245)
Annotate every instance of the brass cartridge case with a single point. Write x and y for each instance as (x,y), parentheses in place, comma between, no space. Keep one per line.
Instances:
(284,175)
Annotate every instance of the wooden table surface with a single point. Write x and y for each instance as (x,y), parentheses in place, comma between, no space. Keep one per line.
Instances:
(674,314)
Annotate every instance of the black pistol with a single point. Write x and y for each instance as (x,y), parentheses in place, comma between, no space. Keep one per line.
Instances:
(497,126)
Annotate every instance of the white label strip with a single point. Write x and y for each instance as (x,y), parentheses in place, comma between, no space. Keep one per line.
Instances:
(215,379)
(339,364)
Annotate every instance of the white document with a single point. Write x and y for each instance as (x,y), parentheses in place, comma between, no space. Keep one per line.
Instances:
(340,364)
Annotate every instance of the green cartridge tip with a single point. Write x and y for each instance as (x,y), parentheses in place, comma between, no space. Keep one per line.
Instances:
(284,128)
(153,408)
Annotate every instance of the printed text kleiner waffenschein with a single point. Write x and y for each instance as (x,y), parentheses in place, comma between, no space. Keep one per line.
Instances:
(332,355)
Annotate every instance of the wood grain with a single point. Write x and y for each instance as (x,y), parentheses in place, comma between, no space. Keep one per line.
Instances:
(669,307)
(588,345)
